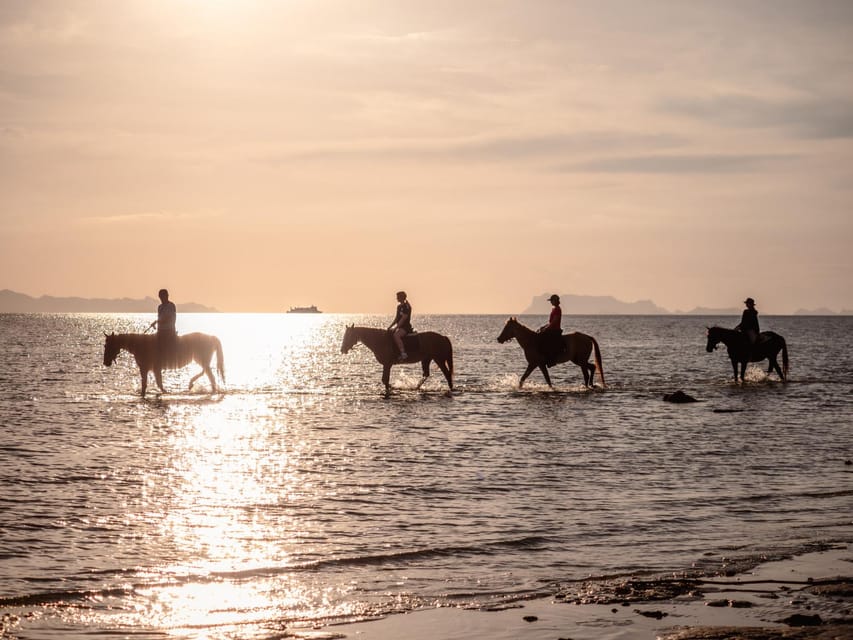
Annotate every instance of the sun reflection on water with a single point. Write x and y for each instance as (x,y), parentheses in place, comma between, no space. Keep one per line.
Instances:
(223,505)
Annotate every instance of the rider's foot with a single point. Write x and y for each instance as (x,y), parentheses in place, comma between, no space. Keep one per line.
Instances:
(403,356)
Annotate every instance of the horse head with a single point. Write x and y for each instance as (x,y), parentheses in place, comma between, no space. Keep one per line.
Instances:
(714,338)
(508,332)
(111,349)
(350,338)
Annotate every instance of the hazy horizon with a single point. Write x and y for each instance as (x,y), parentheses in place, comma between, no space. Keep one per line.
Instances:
(254,156)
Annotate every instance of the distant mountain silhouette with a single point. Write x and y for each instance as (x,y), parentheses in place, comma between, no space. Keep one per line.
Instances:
(593,305)
(710,311)
(13,302)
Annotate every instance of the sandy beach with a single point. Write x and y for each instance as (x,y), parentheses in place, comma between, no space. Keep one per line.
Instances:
(808,596)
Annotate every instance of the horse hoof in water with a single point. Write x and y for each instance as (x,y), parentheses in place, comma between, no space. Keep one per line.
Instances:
(679,397)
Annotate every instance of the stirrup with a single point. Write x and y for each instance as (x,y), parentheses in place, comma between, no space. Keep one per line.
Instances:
(403,356)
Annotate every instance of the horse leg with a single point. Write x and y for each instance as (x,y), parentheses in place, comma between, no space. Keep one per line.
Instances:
(524,376)
(144,374)
(591,366)
(210,377)
(158,377)
(194,378)
(544,371)
(734,367)
(585,371)
(446,373)
(743,371)
(386,376)
(425,368)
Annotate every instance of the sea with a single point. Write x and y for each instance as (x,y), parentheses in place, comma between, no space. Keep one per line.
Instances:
(300,495)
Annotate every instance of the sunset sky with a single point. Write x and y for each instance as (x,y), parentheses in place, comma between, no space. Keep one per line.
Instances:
(256,155)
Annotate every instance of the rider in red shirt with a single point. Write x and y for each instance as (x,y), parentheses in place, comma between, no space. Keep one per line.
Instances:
(552,333)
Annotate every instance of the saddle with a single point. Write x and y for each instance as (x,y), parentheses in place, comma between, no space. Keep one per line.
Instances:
(551,345)
(411,342)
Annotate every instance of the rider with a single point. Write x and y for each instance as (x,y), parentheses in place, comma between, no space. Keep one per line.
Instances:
(749,322)
(167,336)
(402,324)
(551,332)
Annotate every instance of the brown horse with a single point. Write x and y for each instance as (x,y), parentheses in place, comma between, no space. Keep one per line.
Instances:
(578,347)
(421,347)
(198,347)
(740,351)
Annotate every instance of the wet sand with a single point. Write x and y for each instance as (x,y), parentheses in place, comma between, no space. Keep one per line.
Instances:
(808,596)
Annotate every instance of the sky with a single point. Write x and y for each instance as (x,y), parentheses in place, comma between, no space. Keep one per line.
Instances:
(253,156)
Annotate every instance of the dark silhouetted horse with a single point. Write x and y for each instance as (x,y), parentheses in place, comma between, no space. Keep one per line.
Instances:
(422,347)
(577,349)
(198,347)
(767,348)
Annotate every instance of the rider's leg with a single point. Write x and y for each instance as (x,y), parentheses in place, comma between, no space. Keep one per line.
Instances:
(398,339)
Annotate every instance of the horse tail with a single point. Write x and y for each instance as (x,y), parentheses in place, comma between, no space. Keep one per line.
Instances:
(598,361)
(784,357)
(449,360)
(220,361)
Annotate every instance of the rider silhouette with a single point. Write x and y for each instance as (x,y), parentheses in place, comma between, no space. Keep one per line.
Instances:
(749,323)
(167,336)
(551,334)
(402,324)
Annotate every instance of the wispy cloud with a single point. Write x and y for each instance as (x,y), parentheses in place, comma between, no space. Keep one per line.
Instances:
(805,117)
(677,164)
(143,217)
(489,149)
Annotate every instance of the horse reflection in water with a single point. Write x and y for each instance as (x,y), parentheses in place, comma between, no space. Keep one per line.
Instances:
(577,347)
(198,347)
(421,347)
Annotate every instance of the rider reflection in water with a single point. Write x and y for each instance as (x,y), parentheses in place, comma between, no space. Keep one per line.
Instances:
(167,336)
(551,333)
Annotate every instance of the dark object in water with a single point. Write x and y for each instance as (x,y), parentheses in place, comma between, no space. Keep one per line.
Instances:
(802,620)
(530,618)
(679,397)
(657,615)
(728,410)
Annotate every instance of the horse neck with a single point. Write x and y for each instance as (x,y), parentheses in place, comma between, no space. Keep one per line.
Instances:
(727,336)
(132,342)
(524,335)
(371,338)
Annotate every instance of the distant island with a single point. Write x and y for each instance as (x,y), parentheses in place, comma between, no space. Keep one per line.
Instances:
(312,309)
(608,305)
(13,302)
(594,306)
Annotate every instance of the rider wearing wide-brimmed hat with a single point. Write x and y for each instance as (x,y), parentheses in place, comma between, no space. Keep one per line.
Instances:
(749,322)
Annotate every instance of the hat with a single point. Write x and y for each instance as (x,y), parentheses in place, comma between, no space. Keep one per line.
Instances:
(553,297)
(749,301)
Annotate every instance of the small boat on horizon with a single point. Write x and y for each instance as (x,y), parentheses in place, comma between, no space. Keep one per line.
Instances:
(312,309)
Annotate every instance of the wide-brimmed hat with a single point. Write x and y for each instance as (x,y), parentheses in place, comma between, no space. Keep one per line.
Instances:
(749,301)
(553,297)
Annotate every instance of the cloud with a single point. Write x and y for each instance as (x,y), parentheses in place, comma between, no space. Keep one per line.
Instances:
(490,149)
(677,164)
(142,217)
(807,118)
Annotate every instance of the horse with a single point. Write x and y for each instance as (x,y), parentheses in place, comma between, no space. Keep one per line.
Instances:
(420,347)
(198,347)
(768,347)
(577,348)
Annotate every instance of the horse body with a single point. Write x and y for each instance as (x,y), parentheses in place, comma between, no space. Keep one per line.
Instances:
(431,347)
(741,352)
(198,347)
(578,348)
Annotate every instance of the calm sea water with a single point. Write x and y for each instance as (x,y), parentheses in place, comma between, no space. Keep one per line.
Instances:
(302,496)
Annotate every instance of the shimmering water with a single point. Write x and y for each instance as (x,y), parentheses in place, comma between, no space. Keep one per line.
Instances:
(301,495)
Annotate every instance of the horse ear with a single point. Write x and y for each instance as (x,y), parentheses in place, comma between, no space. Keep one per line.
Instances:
(105,334)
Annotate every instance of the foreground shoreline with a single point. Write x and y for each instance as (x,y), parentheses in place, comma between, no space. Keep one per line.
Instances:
(807,596)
